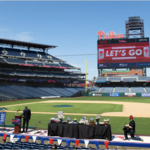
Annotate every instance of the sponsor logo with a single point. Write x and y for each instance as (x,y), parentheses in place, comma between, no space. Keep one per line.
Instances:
(145,94)
(97,94)
(141,40)
(123,65)
(111,35)
(122,41)
(130,94)
(114,94)
(102,65)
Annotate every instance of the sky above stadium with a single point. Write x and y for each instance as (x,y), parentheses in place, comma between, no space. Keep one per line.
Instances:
(72,26)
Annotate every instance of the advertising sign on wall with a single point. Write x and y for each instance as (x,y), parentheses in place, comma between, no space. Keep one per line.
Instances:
(97,94)
(130,94)
(114,94)
(145,94)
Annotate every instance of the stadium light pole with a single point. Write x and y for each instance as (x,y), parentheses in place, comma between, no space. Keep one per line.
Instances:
(86,75)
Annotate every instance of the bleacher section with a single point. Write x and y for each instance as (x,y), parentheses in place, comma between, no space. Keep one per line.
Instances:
(123,79)
(147,89)
(63,91)
(20,72)
(34,145)
(114,79)
(106,90)
(137,89)
(121,90)
(23,92)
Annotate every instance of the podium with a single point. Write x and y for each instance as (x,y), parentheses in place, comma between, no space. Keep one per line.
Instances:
(17,128)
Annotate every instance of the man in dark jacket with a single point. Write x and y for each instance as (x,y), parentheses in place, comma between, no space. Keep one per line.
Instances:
(27,114)
(131,129)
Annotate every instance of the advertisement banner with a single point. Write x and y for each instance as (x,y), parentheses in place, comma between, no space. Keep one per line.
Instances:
(115,41)
(97,94)
(2,117)
(130,94)
(145,94)
(114,94)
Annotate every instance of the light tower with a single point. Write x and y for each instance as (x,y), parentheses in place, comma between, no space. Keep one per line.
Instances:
(134,27)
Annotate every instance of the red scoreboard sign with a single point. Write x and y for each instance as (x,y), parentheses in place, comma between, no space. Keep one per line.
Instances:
(113,52)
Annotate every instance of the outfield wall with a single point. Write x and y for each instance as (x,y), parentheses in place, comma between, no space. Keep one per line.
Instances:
(116,94)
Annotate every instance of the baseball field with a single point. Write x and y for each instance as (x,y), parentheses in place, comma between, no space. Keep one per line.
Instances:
(117,109)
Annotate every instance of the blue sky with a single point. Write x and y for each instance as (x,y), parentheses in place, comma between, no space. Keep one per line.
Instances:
(72,26)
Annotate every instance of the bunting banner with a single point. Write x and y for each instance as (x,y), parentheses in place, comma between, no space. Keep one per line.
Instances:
(86,143)
(59,141)
(97,144)
(26,137)
(19,137)
(11,138)
(34,138)
(4,136)
(42,139)
(68,142)
(51,141)
(106,144)
(77,142)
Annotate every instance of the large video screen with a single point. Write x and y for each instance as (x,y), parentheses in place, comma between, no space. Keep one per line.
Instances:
(123,53)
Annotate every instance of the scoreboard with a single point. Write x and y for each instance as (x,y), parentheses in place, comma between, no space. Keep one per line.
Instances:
(123,53)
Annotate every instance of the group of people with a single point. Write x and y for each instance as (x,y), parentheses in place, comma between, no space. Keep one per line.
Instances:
(130,128)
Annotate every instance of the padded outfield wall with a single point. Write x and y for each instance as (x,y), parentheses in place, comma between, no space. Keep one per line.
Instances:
(115,94)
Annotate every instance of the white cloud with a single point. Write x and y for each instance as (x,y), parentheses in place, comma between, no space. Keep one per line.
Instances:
(21,36)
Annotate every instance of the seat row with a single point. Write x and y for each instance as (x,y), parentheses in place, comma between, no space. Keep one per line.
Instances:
(34,145)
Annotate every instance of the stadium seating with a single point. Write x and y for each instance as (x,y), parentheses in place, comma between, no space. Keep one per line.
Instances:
(63,91)
(7,71)
(14,92)
(34,145)
(16,61)
(121,90)
(53,65)
(114,79)
(32,54)
(14,52)
(129,79)
(66,65)
(137,89)
(35,63)
(50,91)
(106,90)
(20,72)
(147,89)
(101,79)
(73,90)
(42,73)
(2,60)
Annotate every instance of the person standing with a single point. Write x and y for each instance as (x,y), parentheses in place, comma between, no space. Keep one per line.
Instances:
(27,115)
(131,128)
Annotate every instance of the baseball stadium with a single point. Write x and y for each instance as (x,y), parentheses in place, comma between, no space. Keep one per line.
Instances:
(68,110)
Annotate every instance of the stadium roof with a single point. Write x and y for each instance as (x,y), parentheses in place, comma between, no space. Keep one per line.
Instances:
(25,44)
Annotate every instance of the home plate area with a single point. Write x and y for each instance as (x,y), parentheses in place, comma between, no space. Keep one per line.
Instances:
(40,136)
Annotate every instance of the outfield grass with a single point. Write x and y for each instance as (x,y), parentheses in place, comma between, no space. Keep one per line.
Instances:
(117,123)
(77,108)
(87,98)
